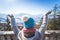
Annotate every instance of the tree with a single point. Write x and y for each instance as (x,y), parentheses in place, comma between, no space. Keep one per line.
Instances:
(54,23)
(8,27)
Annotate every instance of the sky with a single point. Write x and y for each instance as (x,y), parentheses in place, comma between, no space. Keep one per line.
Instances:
(33,7)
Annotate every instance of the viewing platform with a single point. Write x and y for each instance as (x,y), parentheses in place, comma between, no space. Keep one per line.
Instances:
(49,35)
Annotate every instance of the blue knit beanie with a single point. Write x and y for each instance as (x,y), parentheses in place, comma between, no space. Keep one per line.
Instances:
(28,22)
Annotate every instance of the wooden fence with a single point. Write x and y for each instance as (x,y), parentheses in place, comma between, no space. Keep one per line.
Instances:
(49,35)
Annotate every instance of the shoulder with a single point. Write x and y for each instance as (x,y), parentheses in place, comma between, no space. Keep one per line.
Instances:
(20,35)
(20,32)
(37,32)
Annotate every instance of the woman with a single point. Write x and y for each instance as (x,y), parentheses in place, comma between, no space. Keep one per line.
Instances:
(29,32)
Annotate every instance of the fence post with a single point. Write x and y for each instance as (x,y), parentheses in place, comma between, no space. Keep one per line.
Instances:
(8,37)
(58,36)
(14,38)
(2,37)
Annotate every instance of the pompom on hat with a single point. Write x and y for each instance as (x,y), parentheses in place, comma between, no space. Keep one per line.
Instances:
(28,21)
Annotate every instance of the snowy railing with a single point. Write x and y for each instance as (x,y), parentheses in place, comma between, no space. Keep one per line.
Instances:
(49,35)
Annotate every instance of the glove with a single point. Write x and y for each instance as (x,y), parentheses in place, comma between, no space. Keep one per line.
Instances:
(49,12)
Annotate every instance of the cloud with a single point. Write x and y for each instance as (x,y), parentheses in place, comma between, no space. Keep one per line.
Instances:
(31,7)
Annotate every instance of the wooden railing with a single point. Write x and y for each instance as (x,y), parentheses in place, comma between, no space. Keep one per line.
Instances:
(52,35)
(49,35)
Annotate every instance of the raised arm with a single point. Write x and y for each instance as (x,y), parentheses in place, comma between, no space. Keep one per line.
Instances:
(13,25)
(44,23)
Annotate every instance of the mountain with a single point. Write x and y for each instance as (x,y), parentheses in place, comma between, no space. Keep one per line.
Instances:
(18,16)
(35,17)
(2,17)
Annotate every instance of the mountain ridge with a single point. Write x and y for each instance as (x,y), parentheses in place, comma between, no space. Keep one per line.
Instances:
(35,17)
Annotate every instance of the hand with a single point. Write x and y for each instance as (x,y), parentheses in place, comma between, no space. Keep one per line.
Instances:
(48,13)
(11,16)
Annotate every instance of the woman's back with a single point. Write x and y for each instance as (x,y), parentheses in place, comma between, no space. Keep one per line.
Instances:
(37,36)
